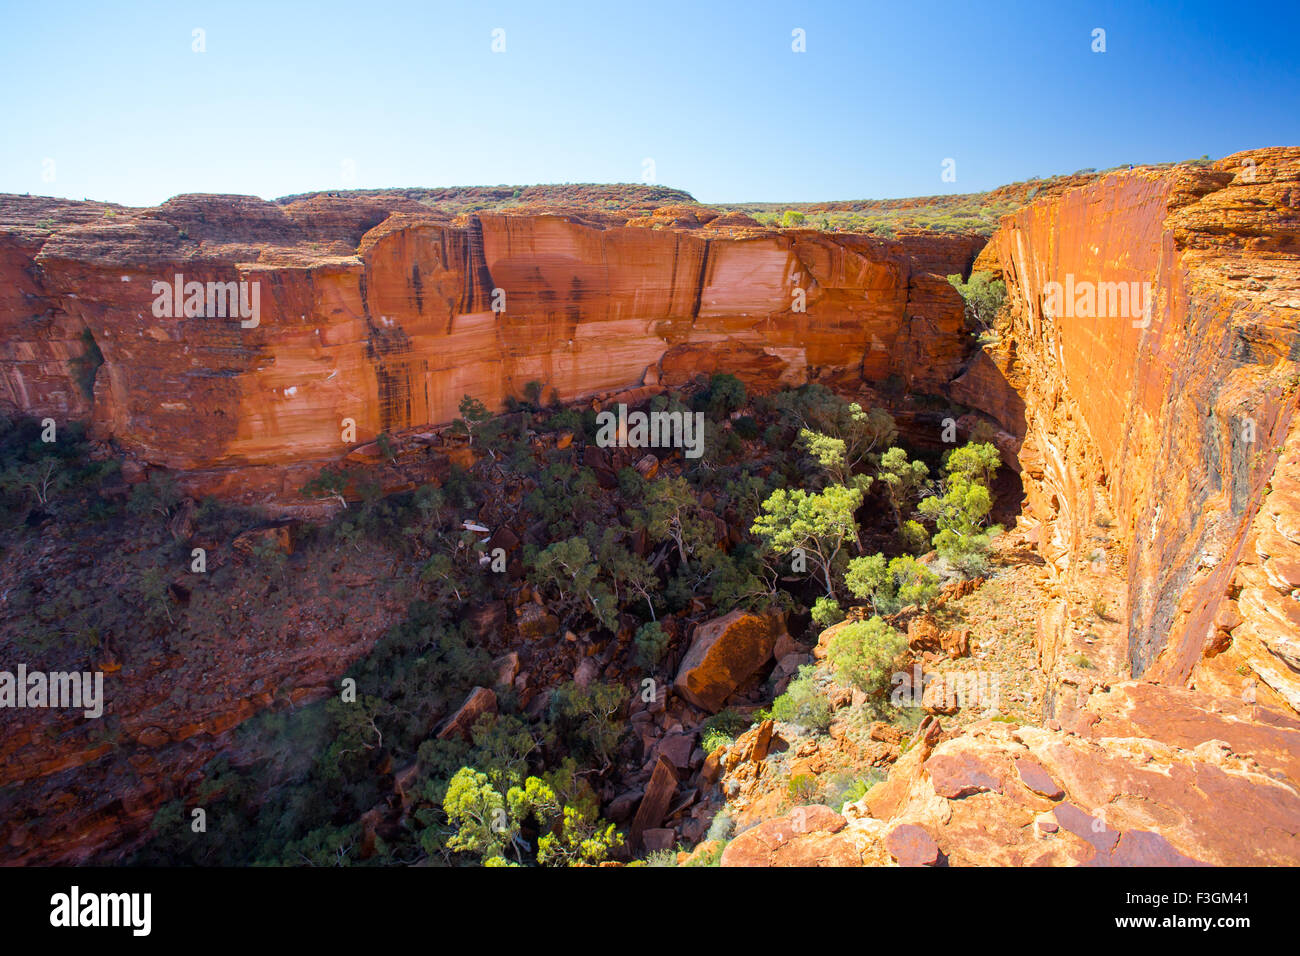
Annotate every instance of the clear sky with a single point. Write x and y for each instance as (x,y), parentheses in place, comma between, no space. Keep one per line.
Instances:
(110,101)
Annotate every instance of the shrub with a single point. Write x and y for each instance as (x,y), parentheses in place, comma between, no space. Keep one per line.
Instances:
(891,585)
(803,704)
(722,826)
(802,789)
(826,611)
(746,427)
(725,394)
(721,729)
(864,654)
(845,788)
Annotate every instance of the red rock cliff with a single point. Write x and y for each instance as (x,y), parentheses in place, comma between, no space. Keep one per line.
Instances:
(382,311)
(1173,427)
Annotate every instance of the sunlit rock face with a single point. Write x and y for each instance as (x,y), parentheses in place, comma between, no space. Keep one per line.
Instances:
(1173,419)
(386,313)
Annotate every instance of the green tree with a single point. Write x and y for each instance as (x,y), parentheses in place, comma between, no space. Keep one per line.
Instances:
(975,461)
(567,812)
(624,570)
(725,394)
(477,812)
(651,645)
(831,454)
(584,718)
(818,409)
(473,415)
(983,296)
(819,524)
(568,571)
(893,584)
(960,514)
(330,485)
(673,512)
(41,479)
(902,480)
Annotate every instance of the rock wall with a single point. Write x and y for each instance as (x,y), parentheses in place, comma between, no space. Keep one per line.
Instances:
(1169,425)
(387,313)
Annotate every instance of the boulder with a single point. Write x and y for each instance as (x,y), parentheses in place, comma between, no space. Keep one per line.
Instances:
(479,702)
(910,845)
(723,654)
(806,836)
(659,838)
(654,804)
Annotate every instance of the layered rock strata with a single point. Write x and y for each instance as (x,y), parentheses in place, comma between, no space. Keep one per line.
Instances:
(382,312)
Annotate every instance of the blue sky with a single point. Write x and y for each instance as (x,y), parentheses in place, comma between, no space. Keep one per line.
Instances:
(289,98)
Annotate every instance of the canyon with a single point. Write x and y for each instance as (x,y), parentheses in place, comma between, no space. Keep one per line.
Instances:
(380,311)
(1157,459)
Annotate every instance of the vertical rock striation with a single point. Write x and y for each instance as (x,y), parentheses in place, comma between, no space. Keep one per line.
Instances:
(1170,423)
(387,313)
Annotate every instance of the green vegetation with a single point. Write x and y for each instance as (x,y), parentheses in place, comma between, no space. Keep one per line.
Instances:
(983,295)
(864,654)
(817,524)
(891,584)
(620,567)
(561,806)
(902,480)
(960,511)
(827,611)
(721,729)
(803,703)
(651,645)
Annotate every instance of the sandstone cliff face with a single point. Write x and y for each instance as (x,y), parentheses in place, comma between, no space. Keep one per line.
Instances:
(1158,460)
(379,310)
(1172,426)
